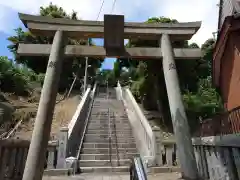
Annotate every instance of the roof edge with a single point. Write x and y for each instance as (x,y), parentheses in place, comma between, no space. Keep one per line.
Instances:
(44,19)
(219,49)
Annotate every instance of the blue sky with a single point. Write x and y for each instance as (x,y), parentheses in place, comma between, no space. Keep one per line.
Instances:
(134,10)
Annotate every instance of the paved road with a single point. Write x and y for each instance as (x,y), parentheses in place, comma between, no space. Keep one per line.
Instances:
(162,176)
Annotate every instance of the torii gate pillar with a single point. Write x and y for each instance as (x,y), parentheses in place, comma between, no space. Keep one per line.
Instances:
(178,114)
(37,151)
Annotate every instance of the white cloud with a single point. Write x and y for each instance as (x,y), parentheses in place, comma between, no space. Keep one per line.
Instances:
(195,10)
(134,10)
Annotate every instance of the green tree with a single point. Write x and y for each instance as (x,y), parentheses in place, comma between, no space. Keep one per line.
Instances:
(193,45)
(149,85)
(39,64)
(207,48)
(16,79)
(116,69)
(202,104)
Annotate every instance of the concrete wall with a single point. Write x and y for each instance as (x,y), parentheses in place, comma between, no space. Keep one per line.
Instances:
(148,140)
(230,72)
(76,125)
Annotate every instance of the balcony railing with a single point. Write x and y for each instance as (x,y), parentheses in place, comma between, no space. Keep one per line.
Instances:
(220,124)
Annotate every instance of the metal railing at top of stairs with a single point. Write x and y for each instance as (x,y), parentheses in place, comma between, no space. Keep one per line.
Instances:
(137,170)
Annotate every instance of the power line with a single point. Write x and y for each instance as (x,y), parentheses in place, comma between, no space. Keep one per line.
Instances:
(100,10)
(113,6)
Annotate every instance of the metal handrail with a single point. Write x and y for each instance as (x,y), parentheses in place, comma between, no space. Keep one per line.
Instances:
(115,133)
(137,171)
(109,128)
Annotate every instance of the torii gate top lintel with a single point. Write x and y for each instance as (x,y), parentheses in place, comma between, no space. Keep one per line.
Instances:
(114,30)
(41,25)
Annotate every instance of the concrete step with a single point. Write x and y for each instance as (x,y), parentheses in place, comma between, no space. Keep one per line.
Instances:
(98,122)
(112,122)
(105,169)
(106,122)
(103,106)
(106,135)
(98,113)
(106,131)
(102,126)
(106,128)
(116,116)
(106,150)
(106,145)
(102,120)
(104,112)
(113,134)
(106,140)
(94,163)
(107,156)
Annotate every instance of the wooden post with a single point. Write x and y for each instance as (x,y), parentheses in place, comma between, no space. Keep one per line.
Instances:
(36,156)
(179,118)
(4,160)
(18,161)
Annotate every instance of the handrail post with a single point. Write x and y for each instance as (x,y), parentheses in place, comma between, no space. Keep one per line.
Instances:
(62,147)
(157,146)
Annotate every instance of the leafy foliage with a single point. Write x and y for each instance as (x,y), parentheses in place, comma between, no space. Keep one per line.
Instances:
(39,64)
(147,82)
(16,79)
(202,104)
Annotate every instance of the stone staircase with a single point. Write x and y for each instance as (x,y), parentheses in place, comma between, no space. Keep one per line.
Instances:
(107,148)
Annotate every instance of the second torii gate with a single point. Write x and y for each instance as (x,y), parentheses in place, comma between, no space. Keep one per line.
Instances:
(113,30)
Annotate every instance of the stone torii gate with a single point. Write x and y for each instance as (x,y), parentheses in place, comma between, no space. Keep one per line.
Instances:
(113,30)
